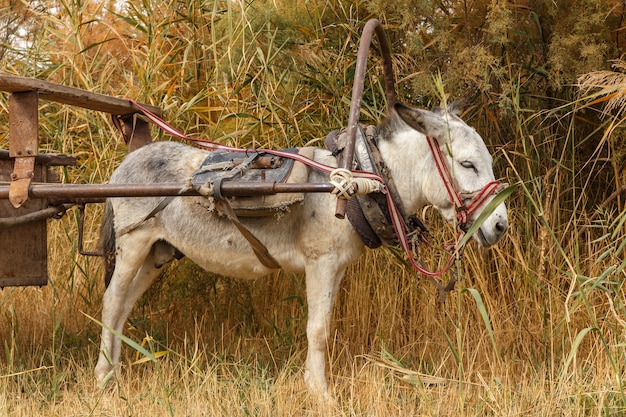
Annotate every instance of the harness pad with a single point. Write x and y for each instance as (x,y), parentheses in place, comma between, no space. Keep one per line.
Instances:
(218,164)
(368,213)
(250,167)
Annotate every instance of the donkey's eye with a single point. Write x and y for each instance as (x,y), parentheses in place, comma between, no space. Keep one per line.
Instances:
(468,165)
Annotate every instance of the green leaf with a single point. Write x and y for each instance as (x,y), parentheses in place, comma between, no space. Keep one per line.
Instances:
(483,313)
(570,357)
(125,339)
(489,208)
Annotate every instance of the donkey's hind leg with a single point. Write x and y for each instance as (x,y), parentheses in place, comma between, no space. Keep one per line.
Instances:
(138,263)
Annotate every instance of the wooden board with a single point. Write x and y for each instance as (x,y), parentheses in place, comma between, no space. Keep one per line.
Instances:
(23,255)
(70,95)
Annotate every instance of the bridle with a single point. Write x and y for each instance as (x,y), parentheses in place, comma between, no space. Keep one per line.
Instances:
(464,212)
(477,198)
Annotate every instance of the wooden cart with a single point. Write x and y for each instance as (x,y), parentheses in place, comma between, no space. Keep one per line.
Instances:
(30,193)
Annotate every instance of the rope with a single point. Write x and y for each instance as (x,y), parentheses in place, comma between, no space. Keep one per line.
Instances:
(341,178)
(346,185)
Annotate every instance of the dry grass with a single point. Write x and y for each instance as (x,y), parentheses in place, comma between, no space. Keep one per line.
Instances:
(395,351)
(535,327)
(386,358)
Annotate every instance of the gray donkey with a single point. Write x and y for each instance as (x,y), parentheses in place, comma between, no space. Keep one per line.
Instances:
(306,238)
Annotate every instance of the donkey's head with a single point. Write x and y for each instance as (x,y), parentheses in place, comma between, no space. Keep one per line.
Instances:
(464,154)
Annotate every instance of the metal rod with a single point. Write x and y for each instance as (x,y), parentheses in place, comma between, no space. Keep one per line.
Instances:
(371,26)
(6,222)
(91,192)
(81,226)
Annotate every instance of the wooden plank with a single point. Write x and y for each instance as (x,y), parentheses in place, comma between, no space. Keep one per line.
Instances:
(23,258)
(70,95)
(50,159)
(23,142)
(23,124)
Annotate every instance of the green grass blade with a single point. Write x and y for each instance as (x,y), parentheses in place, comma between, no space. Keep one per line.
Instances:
(483,313)
(489,208)
(130,342)
(572,353)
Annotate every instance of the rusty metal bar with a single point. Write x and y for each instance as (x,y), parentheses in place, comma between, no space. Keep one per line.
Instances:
(98,191)
(371,26)
(43,214)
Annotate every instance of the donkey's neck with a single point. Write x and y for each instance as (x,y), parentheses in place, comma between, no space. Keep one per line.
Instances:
(407,156)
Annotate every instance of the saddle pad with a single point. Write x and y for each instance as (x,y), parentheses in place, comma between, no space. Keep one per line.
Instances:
(218,164)
(265,168)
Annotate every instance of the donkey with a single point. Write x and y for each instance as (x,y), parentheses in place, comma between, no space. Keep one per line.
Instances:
(306,239)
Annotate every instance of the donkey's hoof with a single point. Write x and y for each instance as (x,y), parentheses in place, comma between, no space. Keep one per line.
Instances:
(104,374)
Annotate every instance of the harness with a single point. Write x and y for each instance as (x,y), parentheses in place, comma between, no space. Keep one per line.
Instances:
(369,214)
(359,182)
(476,199)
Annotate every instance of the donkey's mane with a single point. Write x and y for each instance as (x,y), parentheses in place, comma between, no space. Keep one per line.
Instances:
(391,124)
(454,108)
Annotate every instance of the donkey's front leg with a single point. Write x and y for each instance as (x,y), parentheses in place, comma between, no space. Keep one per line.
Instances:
(322,282)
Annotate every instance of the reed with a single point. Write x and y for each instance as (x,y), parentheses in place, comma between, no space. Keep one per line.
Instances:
(535,326)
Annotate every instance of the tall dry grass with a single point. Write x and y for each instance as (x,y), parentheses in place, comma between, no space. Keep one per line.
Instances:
(535,326)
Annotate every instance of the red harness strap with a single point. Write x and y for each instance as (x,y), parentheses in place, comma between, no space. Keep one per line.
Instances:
(463,211)
(478,198)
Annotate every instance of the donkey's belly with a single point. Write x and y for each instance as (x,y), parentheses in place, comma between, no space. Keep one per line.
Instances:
(232,264)
(305,234)
(239,261)
(213,242)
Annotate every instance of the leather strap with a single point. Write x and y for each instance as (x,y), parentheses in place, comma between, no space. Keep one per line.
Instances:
(162,204)
(23,172)
(224,207)
(261,252)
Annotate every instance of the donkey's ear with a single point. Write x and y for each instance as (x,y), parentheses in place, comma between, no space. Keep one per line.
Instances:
(424,121)
(456,108)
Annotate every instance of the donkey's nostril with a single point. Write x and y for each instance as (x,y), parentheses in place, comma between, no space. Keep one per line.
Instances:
(501,227)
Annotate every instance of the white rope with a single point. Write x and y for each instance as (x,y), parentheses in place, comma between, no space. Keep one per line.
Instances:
(341,178)
(347,186)
(368,186)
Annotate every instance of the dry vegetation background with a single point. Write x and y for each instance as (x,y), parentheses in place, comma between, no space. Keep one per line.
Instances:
(536,326)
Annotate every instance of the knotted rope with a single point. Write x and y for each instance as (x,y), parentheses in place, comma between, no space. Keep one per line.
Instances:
(346,185)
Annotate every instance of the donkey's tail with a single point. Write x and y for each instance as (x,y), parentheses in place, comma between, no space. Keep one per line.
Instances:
(107,243)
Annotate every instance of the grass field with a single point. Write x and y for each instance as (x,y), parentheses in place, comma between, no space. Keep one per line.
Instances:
(535,327)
